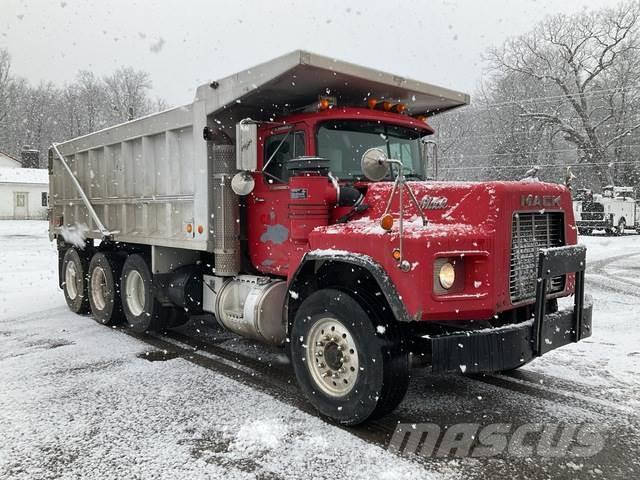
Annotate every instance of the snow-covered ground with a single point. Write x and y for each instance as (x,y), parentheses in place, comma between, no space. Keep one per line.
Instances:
(77,401)
(610,359)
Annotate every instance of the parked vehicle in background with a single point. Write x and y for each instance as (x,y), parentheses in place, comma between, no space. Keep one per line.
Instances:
(291,201)
(614,210)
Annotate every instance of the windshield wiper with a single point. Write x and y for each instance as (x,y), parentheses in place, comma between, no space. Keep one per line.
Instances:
(414,175)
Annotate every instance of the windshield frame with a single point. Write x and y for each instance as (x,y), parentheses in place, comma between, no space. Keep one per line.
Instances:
(420,134)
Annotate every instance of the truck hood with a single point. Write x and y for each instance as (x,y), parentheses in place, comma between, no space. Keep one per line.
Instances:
(473,221)
(455,211)
(456,206)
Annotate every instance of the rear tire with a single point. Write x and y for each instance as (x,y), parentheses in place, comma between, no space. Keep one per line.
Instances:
(104,288)
(348,368)
(74,280)
(142,310)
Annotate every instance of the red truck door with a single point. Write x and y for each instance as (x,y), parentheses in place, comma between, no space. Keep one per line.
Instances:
(267,206)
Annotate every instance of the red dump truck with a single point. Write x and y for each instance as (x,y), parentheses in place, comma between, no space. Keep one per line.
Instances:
(295,201)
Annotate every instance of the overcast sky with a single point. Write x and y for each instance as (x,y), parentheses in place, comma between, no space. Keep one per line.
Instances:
(183,44)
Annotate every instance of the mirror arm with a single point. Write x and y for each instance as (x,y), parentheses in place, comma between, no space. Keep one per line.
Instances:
(415,202)
(393,192)
(268,162)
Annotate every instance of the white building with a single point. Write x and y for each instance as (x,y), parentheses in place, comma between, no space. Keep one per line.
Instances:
(7,160)
(23,193)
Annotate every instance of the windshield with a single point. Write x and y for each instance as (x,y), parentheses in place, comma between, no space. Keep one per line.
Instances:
(344,141)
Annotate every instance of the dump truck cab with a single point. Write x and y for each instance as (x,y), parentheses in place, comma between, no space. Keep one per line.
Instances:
(338,134)
(298,202)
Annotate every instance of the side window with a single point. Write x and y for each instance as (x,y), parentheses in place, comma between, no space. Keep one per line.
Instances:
(292,147)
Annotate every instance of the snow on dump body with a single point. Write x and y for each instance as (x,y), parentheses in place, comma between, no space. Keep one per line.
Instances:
(149,178)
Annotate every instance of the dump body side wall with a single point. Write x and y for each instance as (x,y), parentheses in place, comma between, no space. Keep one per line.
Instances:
(146,180)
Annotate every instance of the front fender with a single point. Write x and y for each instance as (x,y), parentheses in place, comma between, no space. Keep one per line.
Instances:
(303,280)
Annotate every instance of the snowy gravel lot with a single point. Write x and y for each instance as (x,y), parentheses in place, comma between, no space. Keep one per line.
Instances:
(79,400)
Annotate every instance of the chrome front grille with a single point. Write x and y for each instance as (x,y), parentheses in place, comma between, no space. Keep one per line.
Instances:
(531,231)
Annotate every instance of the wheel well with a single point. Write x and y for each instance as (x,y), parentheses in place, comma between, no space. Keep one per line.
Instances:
(351,278)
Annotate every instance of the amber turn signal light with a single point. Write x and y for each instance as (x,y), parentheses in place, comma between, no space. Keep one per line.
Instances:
(386,222)
(372,102)
(396,254)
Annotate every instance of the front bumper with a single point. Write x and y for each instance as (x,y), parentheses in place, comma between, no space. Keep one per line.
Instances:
(508,347)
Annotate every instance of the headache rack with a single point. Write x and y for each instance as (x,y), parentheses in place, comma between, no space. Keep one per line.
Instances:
(531,232)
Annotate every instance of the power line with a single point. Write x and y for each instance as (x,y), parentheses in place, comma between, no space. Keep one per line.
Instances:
(556,97)
(550,165)
(513,154)
(505,135)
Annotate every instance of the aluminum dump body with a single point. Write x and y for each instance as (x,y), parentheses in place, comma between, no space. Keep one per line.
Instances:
(150,178)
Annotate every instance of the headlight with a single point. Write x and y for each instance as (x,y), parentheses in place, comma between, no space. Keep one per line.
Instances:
(447,275)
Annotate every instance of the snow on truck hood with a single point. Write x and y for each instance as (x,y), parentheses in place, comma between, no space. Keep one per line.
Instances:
(450,208)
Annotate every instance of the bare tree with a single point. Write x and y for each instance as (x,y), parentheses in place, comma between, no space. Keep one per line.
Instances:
(5,81)
(575,59)
(127,93)
(37,115)
(93,100)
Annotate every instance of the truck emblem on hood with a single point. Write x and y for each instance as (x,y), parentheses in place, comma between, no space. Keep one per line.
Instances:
(433,203)
(539,201)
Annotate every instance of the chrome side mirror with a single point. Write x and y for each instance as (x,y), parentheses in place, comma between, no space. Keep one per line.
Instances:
(374,164)
(247,145)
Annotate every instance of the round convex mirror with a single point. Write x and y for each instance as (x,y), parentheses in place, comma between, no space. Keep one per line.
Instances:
(374,164)
(242,183)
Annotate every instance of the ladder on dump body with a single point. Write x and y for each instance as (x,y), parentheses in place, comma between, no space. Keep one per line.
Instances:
(103,230)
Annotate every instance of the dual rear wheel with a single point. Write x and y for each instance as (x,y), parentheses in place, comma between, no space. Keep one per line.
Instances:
(116,288)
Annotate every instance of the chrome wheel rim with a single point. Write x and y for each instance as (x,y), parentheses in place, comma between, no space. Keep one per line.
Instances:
(332,357)
(135,293)
(71,279)
(99,288)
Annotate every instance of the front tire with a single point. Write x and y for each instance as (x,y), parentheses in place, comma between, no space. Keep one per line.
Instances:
(104,288)
(349,367)
(74,284)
